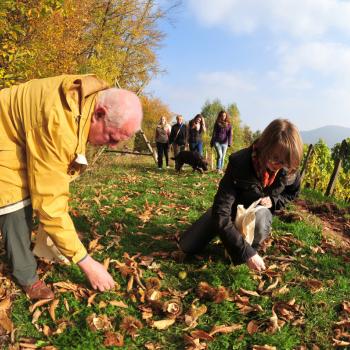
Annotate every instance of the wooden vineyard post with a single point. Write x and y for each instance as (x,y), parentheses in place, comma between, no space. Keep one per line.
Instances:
(306,162)
(337,165)
(149,146)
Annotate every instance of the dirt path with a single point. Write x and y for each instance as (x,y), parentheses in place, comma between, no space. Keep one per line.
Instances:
(334,222)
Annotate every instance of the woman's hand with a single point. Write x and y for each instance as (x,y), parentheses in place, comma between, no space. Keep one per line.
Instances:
(266,202)
(256,263)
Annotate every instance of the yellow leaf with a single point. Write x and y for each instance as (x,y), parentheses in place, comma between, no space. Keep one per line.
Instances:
(163,324)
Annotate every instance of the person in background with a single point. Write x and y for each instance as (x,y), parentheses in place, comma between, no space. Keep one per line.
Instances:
(196,129)
(221,138)
(162,141)
(44,128)
(268,171)
(178,135)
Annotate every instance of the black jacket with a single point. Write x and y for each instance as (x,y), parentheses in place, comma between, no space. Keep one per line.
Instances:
(179,138)
(240,185)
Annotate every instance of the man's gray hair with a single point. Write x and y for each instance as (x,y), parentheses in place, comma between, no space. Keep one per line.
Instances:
(122,107)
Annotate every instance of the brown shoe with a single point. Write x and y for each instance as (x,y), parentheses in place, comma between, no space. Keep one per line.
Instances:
(38,290)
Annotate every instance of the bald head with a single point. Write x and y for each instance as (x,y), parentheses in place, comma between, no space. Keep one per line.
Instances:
(123,108)
(117,116)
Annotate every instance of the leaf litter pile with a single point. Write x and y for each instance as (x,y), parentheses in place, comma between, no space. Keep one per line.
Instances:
(129,217)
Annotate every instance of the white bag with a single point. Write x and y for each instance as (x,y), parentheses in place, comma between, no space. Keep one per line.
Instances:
(45,248)
(245,220)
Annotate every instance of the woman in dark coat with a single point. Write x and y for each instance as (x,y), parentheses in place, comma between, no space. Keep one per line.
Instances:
(196,129)
(267,170)
(221,138)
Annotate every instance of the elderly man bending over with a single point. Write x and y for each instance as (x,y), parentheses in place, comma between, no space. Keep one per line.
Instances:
(45,125)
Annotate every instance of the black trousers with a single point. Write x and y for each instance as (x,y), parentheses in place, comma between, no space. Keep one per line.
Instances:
(162,148)
(201,232)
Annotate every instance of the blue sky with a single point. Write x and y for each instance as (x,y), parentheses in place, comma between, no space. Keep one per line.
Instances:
(274,58)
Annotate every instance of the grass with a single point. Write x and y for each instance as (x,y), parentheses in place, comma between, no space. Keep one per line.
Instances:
(132,207)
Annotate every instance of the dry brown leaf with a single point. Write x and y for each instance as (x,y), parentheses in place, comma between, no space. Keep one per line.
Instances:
(38,304)
(66,305)
(91,299)
(272,286)
(314,285)
(5,322)
(24,346)
(252,327)
(193,343)
(264,347)
(37,313)
(113,339)
(163,324)
(346,306)
(52,309)
(198,333)
(130,283)
(249,292)
(225,329)
(66,285)
(152,346)
(118,303)
(5,304)
(61,328)
(47,331)
(274,325)
(93,244)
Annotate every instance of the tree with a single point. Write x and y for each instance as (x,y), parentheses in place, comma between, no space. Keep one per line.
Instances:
(320,167)
(17,18)
(346,159)
(210,111)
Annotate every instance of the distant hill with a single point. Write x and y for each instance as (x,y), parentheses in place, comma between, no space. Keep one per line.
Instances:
(331,134)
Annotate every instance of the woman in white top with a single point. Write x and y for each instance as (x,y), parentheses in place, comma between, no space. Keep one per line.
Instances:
(162,141)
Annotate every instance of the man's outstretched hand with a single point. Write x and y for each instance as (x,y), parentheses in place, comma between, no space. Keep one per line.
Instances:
(96,273)
(256,263)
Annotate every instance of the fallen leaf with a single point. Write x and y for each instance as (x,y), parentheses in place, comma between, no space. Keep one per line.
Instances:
(264,347)
(118,303)
(198,333)
(163,324)
(38,304)
(252,327)
(52,309)
(225,329)
(249,292)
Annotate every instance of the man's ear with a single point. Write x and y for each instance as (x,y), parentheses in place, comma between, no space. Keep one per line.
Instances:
(99,114)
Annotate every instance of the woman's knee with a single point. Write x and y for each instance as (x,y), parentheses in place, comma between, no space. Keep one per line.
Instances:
(263,221)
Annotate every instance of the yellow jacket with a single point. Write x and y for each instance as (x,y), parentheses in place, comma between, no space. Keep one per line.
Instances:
(44,125)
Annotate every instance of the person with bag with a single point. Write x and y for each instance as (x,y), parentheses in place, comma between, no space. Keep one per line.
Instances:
(162,141)
(178,136)
(266,172)
(196,129)
(221,139)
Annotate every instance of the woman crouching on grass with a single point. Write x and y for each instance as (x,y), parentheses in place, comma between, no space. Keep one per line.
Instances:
(267,170)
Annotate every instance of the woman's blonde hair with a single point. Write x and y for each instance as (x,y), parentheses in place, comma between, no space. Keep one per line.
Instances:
(283,137)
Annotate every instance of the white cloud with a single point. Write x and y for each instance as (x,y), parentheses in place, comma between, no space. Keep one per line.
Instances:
(307,18)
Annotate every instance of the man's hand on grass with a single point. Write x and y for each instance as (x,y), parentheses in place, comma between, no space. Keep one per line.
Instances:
(96,273)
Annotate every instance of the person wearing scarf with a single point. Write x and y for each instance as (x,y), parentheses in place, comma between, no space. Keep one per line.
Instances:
(268,171)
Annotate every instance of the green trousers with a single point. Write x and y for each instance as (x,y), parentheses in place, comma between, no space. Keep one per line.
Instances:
(16,229)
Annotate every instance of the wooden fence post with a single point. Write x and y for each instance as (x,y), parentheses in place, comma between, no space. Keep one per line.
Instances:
(337,165)
(306,162)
